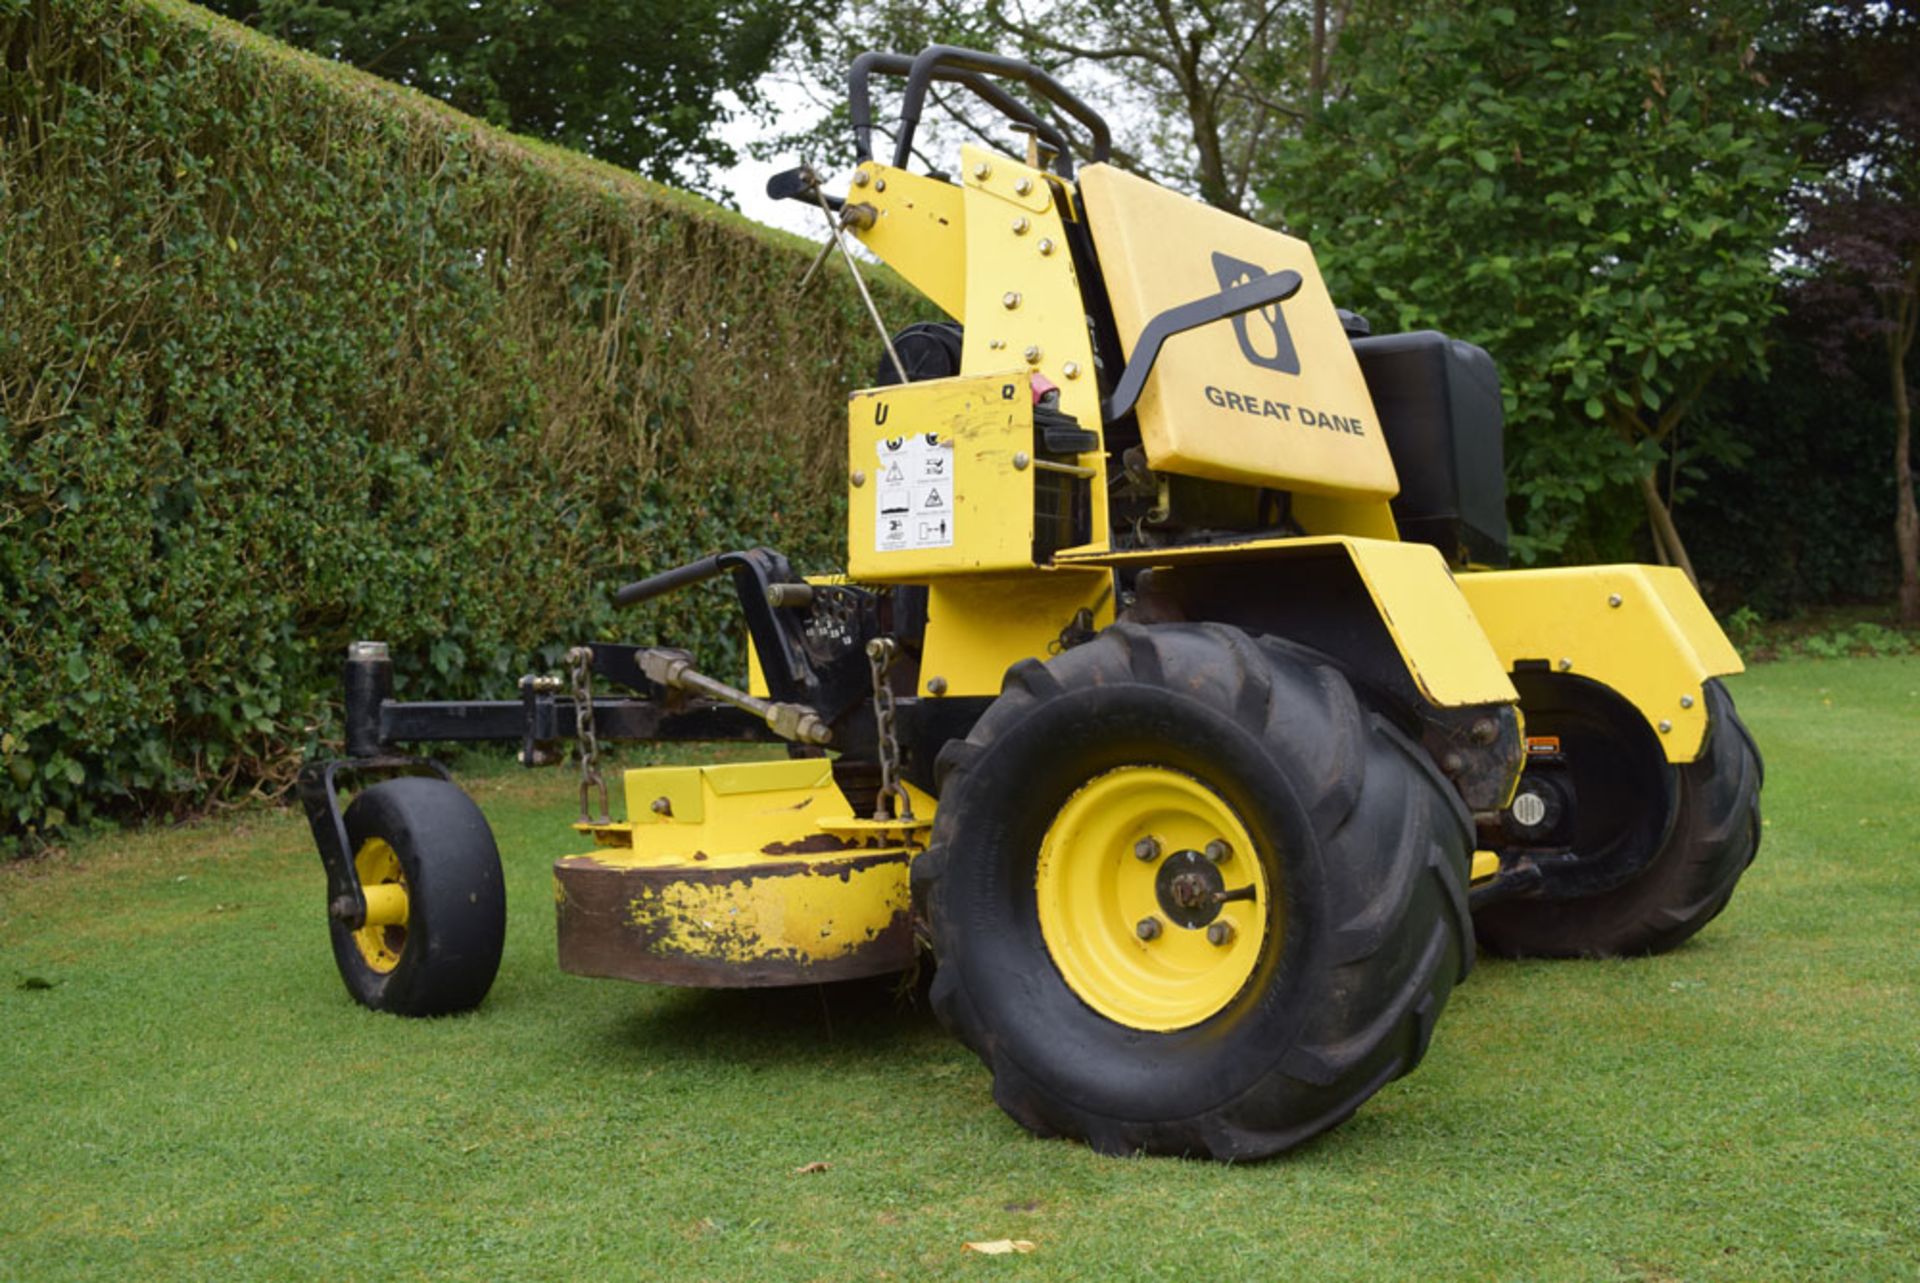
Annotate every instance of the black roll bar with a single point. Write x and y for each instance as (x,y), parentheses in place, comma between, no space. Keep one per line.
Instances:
(969,68)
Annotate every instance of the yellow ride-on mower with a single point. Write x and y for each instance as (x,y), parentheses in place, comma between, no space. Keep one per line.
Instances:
(1171,695)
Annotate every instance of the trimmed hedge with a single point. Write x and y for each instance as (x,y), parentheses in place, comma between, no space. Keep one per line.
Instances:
(289,356)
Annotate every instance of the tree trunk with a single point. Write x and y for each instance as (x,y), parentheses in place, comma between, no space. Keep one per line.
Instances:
(1665,534)
(1317,70)
(1906,521)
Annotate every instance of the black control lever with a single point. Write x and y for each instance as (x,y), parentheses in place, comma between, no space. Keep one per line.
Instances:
(801,183)
(1262,291)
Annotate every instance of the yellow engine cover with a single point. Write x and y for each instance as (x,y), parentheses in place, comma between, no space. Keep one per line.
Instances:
(1273,398)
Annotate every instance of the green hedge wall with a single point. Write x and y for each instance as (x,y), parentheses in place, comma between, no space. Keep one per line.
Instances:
(290,356)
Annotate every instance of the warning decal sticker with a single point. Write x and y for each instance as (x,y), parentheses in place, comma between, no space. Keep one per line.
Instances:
(915,494)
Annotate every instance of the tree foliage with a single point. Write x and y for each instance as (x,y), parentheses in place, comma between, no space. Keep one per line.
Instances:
(640,83)
(1851,67)
(290,358)
(1594,194)
(1196,90)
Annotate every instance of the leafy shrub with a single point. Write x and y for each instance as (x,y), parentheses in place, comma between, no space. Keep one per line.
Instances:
(289,356)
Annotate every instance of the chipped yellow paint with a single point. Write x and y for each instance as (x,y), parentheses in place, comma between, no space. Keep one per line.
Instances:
(750,864)
(1436,632)
(1640,630)
(815,916)
(988,421)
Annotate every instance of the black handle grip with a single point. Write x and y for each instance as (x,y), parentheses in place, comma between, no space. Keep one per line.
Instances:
(1261,291)
(668,580)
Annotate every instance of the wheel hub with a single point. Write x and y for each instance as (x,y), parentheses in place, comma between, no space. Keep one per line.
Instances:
(1188,888)
(1152,901)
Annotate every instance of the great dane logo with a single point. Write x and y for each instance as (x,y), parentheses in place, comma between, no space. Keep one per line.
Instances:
(1269,345)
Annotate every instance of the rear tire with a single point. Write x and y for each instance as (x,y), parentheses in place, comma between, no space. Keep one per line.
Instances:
(427,835)
(1360,928)
(1713,837)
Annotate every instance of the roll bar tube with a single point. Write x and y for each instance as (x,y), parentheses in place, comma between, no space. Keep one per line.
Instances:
(969,68)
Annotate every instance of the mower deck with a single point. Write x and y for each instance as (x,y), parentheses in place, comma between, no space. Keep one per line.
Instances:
(745,874)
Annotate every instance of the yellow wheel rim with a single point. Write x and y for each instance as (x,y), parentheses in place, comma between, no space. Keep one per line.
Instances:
(1130,898)
(384,934)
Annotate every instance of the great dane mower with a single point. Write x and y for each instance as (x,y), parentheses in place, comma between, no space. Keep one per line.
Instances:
(1172,697)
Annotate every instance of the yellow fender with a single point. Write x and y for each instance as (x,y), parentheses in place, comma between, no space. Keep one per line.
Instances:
(1642,631)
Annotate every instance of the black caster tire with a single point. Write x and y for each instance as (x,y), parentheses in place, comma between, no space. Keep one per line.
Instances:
(1236,1027)
(427,837)
(1711,838)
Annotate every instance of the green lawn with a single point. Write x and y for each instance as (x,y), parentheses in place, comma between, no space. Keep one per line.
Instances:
(186,1091)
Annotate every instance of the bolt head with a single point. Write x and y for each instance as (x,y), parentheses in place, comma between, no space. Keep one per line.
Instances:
(1485,731)
(859,478)
(661,806)
(1020,226)
(1147,848)
(861,178)
(1147,928)
(1686,701)
(936,685)
(1566,665)
(1021,186)
(1614,599)
(1220,933)
(1219,851)
(1071,369)
(1665,726)
(1021,459)
(982,169)
(879,184)
(1010,300)
(341,909)
(1032,354)
(1045,246)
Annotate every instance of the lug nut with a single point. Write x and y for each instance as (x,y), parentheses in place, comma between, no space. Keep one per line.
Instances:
(1147,848)
(1219,851)
(1220,933)
(1147,928)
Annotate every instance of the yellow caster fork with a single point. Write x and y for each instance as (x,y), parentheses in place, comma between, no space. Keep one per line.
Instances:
(383,935)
